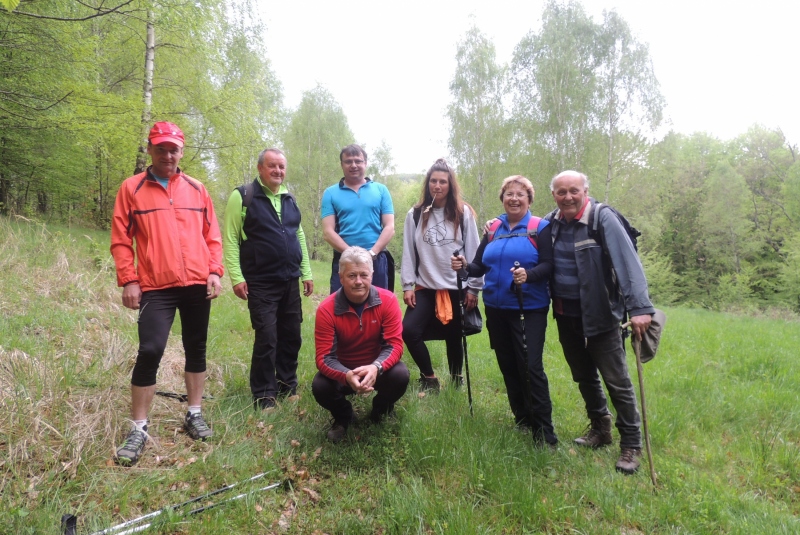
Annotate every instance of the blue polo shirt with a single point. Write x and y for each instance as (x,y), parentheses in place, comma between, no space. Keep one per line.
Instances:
(358,213)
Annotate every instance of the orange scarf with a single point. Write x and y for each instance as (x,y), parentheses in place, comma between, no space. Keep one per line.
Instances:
(444,307)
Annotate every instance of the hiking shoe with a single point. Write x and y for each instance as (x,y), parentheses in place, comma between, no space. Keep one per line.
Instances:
(598,434)
(428,383)
(132,448)
(456,380)
(286,392)
(339,428)
(628,462)
(264,403)
(377,413)
(196,426)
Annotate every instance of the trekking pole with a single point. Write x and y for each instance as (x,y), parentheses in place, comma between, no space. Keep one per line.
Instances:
(204,508)
(636,350)
(180,397)
(68,521)
(524,370)
(462,275)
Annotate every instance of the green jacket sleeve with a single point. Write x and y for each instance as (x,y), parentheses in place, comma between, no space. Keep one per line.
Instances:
(232,236)
(305,263)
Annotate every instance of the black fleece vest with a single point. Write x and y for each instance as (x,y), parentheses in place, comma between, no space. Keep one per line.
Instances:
(271,251)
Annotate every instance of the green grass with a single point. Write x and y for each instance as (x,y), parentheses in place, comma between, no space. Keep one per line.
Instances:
(722,405)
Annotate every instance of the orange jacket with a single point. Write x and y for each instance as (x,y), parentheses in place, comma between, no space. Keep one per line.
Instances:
(177,236)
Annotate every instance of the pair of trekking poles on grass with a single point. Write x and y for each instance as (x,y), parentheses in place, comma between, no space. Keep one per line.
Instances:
(462,276)
(69,521)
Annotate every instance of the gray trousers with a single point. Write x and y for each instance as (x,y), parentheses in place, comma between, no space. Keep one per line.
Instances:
(603,356)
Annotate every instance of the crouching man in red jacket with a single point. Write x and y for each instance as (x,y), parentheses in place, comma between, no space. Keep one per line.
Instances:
(359,342)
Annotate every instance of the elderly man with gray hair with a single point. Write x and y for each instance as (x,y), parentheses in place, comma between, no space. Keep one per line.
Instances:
(597,279)
(267,258)
(359,343)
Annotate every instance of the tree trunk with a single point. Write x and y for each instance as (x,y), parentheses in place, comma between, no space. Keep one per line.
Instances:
(147,94)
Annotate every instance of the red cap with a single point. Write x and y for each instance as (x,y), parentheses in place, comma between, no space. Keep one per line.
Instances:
(164,132)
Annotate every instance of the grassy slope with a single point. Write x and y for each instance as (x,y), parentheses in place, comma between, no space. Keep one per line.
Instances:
(722,406)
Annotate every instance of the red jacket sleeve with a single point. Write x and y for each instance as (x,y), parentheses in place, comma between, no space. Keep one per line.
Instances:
(324,341)
(213,238)
(392,326)
(122,232)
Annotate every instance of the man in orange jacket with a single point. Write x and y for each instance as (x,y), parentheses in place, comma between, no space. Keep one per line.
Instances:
(176,265)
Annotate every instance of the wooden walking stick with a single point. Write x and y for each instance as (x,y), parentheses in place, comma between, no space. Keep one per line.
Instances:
(644,413)
(636,351)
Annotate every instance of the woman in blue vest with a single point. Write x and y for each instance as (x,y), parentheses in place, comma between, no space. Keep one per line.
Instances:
(517,297)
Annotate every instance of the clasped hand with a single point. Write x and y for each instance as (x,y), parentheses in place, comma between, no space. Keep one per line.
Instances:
(362,379)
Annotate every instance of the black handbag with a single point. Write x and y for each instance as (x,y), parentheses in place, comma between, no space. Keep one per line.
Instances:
(473,321)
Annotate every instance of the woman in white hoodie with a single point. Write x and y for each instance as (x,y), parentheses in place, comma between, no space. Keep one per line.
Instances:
(440,224)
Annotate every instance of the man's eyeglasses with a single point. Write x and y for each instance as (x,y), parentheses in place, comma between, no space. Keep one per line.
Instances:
(353,161)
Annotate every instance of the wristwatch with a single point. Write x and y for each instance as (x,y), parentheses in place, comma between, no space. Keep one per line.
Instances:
(373,254)
(379,366)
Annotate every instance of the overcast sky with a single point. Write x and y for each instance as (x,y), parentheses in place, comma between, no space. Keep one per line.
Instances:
(722,66)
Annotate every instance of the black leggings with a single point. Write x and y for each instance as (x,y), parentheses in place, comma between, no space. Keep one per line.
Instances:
(420,324)
(156,314)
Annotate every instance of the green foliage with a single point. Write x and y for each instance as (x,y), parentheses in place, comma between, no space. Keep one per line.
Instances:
(478,133)
(663,283)
(72,99)
(316,133)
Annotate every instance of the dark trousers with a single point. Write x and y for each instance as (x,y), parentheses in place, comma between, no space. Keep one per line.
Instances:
(156,315)
(380,273)
(275,314)
(604,353)
(331,395)
(420,324)
(530,402)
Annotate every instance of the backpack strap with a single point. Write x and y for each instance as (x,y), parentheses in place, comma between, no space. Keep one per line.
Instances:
(493,228)
(247,191)
(416,215)
(595,219)
(532,232)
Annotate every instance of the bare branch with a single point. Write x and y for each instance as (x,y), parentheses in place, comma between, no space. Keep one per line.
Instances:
(100,11)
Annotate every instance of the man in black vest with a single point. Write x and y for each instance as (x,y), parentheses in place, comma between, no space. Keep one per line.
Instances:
(266,255)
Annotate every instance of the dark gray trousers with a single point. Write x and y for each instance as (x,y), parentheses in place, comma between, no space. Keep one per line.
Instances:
(603,356)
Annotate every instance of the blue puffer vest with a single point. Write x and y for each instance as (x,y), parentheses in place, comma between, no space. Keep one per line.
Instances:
(498,259)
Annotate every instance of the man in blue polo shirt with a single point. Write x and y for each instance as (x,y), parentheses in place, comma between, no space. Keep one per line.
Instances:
(358,211)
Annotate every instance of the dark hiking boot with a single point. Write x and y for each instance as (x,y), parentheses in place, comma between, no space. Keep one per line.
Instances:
(377,413)
(456,380)
(196,426)
(132,448)
(264,403)
(428,383)
(285,392)
(339,428)
(598,435)
(628,462)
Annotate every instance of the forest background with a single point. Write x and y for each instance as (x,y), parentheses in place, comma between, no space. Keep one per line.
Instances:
(81,82)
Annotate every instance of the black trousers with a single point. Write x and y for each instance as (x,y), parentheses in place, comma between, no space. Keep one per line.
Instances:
(531,405)
(156,315)
(276,315)
(331,395)
(420,324)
